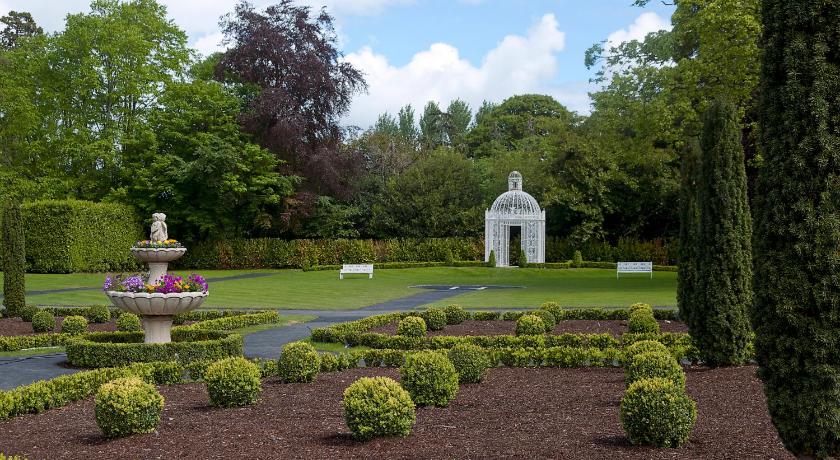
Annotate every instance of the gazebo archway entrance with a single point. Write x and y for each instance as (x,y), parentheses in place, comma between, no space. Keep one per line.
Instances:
(514,208)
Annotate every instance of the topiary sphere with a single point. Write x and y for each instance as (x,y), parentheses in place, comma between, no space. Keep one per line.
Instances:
(643,346)
(430,378)
(74,325)
(530,325)
(641,307)
(412,326)
(233,382)
(43,321)
(642,321)
(99,314)
(129,322)
(378,406)
(470,361)
(455,314)
(298,363)
(127,406)
(655,412)
(554,308)
(548,319)
(654,365)
(435,319)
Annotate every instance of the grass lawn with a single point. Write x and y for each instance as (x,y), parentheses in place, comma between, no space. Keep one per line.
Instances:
(294,289)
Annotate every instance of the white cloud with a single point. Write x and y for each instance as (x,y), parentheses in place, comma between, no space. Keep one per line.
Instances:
(643,25)
(517,65)
(209,44)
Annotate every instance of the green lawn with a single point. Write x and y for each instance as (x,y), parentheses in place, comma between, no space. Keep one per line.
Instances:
(293,289)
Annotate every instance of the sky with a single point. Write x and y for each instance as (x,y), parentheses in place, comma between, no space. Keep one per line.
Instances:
(414,51)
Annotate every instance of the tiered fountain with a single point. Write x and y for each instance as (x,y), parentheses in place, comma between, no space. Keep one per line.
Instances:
(157,309)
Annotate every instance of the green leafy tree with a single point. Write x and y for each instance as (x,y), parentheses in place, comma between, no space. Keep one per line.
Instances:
(437,196)
(690,298)
(197,166)
(797,291)
(18,25)
(408,129)
(432,131)
(720,324)
(14,260)
(457,121)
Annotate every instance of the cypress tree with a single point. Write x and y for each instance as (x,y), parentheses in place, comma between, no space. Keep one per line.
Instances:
(688,293)
(796,314)
(720,325)
(14,261)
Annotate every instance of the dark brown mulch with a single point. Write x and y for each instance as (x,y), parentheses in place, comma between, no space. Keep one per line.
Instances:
(514,413)
(470,327)
(16,326)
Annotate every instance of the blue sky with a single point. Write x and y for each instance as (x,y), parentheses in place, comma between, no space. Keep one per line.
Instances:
(413,51)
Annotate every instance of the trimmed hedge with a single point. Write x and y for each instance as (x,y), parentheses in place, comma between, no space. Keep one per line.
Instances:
(233,382)
(43,321)
(74,325)
(260,253)
(127,406)
(655,412)
(60,391)
(98,314)
(299,363)
(654,365)
(79,236)
(411,327)
(129,322)
(430,378)
(112,349)
(455,314)
(236,321)
(378,406)
(470,361)
(435,319)
(530,325)
(14,259)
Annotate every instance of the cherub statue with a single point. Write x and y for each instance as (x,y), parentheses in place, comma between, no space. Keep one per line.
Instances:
(159,230)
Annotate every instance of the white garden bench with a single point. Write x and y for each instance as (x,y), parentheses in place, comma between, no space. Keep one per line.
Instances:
(351,269)
(634,267)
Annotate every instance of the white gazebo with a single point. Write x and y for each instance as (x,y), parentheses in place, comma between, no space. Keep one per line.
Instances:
(514,208)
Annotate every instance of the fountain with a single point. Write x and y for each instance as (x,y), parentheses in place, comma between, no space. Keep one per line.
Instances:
(161,296)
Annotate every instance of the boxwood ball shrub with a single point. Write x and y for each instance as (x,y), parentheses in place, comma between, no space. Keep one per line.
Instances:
(298,363)
(129,322)
(655,412)
(455,314)
(99,314)
(27,313)
(43,321)
(642,321)
(430,378)
(554,308)
(654,365)
(641,307)
(126,406)
(233,382)
(643,346)
(435,319)
(74,325)
(547,317)
(470,361)
(378,406)
(412,326)
(530,325)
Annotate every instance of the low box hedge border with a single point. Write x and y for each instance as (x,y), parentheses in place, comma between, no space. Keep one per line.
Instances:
(114,349)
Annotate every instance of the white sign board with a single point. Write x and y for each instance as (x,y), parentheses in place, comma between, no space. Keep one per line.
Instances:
(634,267)
(356,269)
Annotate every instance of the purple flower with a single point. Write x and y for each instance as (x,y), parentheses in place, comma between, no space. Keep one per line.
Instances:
(198,280)
(133,284)
(108,284)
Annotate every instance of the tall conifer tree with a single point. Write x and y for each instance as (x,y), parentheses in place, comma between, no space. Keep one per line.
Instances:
(797,224)
(720,326)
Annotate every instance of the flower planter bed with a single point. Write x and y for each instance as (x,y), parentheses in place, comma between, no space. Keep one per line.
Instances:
(616,328)
(514,413)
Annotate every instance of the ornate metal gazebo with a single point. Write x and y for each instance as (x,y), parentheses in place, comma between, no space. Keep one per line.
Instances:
(514,208)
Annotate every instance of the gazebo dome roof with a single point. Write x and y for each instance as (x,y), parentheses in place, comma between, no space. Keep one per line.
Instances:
(515,203)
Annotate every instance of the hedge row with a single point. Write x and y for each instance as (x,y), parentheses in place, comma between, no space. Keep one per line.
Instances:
(79,236)
(60,391)
(236,321)
(278,253)
(113,349)
(23,342)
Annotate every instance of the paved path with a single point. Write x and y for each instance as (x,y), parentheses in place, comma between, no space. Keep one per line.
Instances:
(264,344)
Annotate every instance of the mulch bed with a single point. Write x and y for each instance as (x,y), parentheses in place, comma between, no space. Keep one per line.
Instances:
(470,327)
(521,413)
(16,326)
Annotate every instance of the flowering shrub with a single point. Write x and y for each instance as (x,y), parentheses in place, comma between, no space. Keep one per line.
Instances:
(168,284)
(148,244)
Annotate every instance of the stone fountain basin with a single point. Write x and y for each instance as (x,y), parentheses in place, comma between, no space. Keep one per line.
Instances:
(155,303)
(157,255)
